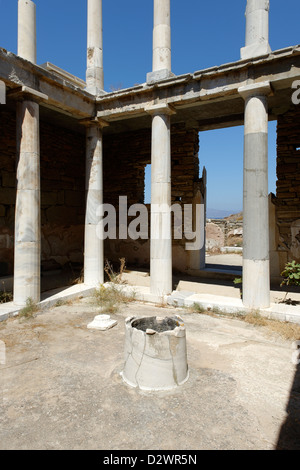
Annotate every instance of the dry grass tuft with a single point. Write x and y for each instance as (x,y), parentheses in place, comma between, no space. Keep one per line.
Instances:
(286,330)
(29,310)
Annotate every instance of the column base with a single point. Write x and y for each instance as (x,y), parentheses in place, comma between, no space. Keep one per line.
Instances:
(27,273)
(95,91)
(255,50)
(256,283)
(161,277)
(158,75)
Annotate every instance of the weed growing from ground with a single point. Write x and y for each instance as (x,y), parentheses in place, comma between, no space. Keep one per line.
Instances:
(29,310)
(5,297)
(112,296)
(287,330)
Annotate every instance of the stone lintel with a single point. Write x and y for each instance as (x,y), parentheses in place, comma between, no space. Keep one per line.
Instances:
(160,108)
(24,92)
(255,89)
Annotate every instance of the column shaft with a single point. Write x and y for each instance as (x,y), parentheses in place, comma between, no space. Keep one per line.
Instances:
(161,235)
(27,30)
(27,215)
(94,72)
(256,265)
(161,62)
(93,251)
(257,29)
(161,36)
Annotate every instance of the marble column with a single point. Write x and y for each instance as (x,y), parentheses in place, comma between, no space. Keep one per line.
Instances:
(27,30)
(161,230)
(2,92)
(93,244)
(161,62)
(257,29)
(94,71)
(27,214)
(256,264)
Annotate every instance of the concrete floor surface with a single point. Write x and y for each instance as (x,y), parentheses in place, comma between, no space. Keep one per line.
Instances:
(61,386)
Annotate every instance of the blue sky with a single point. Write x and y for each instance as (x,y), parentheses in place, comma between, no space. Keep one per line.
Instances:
(204,34)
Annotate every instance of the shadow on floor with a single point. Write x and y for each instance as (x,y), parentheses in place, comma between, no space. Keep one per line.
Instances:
(289,435)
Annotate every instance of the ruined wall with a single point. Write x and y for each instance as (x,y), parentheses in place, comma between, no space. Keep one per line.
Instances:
(125,159)
(7,190)
(63,190)
(287,201)
(62,194)
(222,233)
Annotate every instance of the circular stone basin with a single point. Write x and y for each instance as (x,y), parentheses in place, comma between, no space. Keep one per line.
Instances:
(155,353)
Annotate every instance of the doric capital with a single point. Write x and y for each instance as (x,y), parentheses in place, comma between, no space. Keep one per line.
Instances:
(160,108)
(94,121)
(255,89)
(26,93)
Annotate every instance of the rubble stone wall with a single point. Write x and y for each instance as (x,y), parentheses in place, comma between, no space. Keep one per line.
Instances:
(287,201)
(63,189)
(222,233)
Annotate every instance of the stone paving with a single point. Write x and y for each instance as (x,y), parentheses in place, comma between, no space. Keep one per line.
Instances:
(61,386)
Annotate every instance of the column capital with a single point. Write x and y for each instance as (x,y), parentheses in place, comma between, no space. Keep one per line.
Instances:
(94,121)
(255,89)
(24,92)
(160,108)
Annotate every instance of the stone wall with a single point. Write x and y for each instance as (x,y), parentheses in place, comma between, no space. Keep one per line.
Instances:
(125,159)
(222,233)
(63,190)
(62,194)
(7,190)
(287,201)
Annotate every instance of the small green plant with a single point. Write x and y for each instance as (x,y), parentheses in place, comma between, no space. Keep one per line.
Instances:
(111,297)
(291,275)
(5,297)
(237,281)
(29,310)
(62,302)
(197,308)
(217,310)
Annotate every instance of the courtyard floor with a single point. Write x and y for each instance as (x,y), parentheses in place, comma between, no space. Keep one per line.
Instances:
(61,386)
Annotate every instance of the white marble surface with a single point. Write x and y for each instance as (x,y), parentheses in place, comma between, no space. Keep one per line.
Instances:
(155,360)
(161,36)
(27,30)
(161,238)
(93,245)
(94,71)
(102,323)
(257,29)
(27,213)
